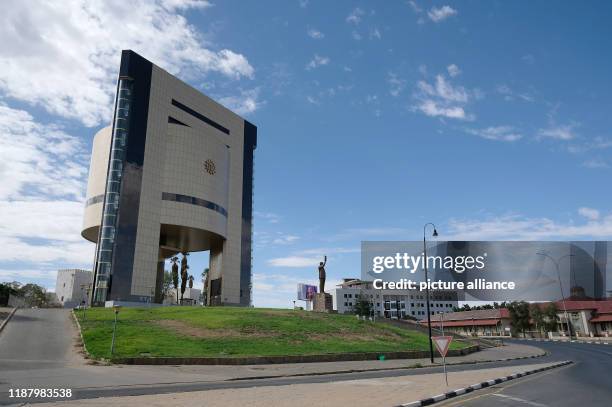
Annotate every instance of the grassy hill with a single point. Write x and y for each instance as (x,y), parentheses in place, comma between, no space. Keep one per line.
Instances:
(229,331)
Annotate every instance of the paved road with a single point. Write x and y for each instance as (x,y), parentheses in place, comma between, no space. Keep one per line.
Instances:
(36,338)
(587,382)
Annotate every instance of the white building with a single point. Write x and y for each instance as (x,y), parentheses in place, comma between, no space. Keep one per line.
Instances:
(193,294)
(71,286)
(394,304)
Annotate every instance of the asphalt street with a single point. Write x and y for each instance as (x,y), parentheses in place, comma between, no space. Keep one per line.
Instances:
(587,382)
(36,350)
(36,338)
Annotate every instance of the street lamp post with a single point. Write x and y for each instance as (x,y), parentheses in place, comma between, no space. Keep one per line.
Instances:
(434,234)
(116,309)
(556,263)
(86,288)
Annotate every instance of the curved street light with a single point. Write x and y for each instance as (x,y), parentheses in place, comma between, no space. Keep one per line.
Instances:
(556,263)
(434,234)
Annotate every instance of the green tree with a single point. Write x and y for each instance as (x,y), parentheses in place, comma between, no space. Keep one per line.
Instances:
(167,284)
(34,295)
(175,275)
(552,318)
(190,279)
(363,306)
(6,289)
(519,316)
(538,317)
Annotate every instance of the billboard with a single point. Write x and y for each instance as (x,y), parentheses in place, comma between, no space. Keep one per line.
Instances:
(305,292)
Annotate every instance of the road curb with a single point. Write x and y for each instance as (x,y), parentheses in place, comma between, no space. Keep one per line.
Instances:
(378,369)
(10,315)
(444,396)
(595,342)
(282,359)
(76,320)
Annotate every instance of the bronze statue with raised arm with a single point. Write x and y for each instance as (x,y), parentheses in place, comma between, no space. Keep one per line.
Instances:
(322,275)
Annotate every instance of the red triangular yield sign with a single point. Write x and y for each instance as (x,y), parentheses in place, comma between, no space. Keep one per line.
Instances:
(442,343)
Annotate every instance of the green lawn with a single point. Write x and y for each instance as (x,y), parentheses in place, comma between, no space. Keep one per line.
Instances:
(229,331)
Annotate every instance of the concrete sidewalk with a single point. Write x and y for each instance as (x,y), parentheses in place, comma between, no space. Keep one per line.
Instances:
(76,374)
(386,391)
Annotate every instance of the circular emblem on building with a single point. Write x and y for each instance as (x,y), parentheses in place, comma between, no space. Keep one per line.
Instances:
(209,166)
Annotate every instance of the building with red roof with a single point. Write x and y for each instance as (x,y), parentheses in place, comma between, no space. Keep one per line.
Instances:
(588,318)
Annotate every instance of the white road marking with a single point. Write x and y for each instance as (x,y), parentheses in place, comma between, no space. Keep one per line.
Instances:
(530,403)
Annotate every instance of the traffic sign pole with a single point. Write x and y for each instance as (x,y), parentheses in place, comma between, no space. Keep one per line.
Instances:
(444,357)
(442,343)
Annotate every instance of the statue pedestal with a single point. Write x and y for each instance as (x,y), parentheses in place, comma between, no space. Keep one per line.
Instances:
(322,302)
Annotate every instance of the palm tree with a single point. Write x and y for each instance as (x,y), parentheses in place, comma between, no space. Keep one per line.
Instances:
(184,274)
(190,279)
(205,285)
(175,275)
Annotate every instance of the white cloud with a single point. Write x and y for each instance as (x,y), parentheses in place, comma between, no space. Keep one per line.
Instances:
(528,59)
(396,84)
(355,16)
(595,163)
(50,219)
(433,109)
(356,36)
(43,172)
(317,61)
(597,143)
(440,14)
(64,56)
(312,100)
(517,227)
(559,132)
(266,239)
(589,213)
(315,34)
(443,99)
(243,104)
(375,34)
(285,239)
(415,7)
(269,216)
(321,251)
(294,261)
(77,254)
(510,95)
(38,160)
(453,70)
(304,3)
(445,90)
(497,133)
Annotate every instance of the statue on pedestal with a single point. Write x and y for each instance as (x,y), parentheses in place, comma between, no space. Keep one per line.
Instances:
(322,275)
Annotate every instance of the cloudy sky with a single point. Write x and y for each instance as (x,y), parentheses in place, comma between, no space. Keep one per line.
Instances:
(491,119)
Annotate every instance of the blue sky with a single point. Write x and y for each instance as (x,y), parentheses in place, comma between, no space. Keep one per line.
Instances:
(490,119)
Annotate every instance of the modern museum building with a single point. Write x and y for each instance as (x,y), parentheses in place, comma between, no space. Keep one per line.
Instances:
(172,174)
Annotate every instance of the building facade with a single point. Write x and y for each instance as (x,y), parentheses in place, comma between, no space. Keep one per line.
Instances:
(172,174)
(588,318)
(72,287)
(483,322)
(393,304)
